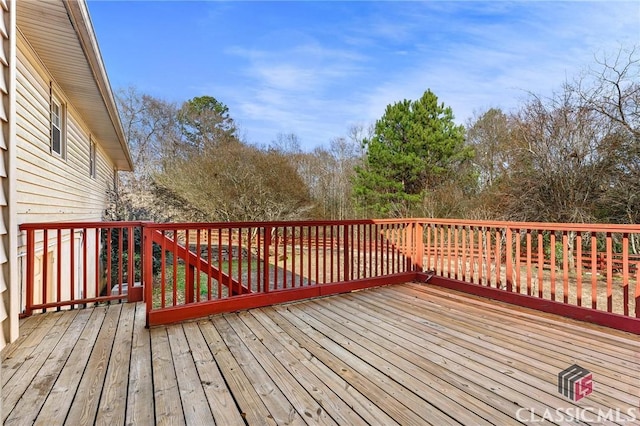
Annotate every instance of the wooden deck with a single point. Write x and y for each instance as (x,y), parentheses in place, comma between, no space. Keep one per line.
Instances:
(408,354)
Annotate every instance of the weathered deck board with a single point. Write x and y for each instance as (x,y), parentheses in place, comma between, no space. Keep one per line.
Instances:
(50,357)
(58,404)
(86,403)
(406,354)
(282,411)
(194,402)
(166,395)
(218,396)
(140,409)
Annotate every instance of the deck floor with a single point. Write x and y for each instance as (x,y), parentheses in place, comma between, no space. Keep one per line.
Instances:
(408,354)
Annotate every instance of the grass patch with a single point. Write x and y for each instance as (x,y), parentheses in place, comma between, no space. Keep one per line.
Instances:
(181,279)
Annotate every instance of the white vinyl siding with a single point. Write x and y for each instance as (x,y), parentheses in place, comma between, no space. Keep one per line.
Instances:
(8,261)
(50,189)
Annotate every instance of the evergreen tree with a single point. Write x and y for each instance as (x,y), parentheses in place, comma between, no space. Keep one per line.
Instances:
(416,147)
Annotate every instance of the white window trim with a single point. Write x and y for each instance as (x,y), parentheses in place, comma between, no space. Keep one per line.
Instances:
(60,126)
(93,168)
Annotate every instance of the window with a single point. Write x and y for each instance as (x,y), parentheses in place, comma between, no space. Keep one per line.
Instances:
(92,158)
(57,127)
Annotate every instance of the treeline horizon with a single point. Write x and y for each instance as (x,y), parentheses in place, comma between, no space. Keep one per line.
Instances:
(571,157)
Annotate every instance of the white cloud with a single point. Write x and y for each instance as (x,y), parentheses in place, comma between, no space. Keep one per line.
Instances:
(471,55)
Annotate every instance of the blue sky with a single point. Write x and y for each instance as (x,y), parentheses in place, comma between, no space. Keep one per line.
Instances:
(317,68)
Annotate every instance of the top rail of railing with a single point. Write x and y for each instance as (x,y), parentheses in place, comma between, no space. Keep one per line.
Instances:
(543,226)
(547,226)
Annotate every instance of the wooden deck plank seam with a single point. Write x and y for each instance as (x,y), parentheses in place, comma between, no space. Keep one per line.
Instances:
(363,383)
(405,354)
(25,384)
(424,409)
(326,396)
(91,385)
(624,375)
(444,378)
(362,405)
(619,363)
(447,339)
(445,403)
(57,405)
(582,328)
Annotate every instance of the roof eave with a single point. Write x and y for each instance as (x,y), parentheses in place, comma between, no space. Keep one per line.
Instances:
(79,16)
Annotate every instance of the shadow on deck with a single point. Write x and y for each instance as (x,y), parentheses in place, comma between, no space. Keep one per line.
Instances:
(407,354)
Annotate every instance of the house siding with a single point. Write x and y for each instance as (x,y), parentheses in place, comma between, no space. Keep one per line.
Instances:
(8,327)
(50,188)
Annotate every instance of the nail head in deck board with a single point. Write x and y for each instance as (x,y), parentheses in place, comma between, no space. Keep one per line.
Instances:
(218,396)
(194,402)
(252,407)
(354,399)
(23,380)
(86,404)
(114,394)
(140,409)
(59,401)
(279,407)
(166,395)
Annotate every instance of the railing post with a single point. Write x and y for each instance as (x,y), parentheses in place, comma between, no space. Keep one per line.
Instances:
(509,260)
(418,246)
(31,257)
(189,278)
(346,249)
(266,281)
(147,276)
(638,293)
(136,293)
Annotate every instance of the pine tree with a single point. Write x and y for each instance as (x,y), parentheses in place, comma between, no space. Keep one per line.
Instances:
(416,147)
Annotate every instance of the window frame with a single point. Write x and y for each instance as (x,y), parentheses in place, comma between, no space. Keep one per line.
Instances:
(58,121)
(93,169)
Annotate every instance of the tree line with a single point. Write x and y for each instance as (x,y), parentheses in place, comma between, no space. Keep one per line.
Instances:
(573,156)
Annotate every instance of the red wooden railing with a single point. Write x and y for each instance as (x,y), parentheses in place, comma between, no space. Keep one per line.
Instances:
(69,265)
(561,268)
(585,271)
(207,268)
